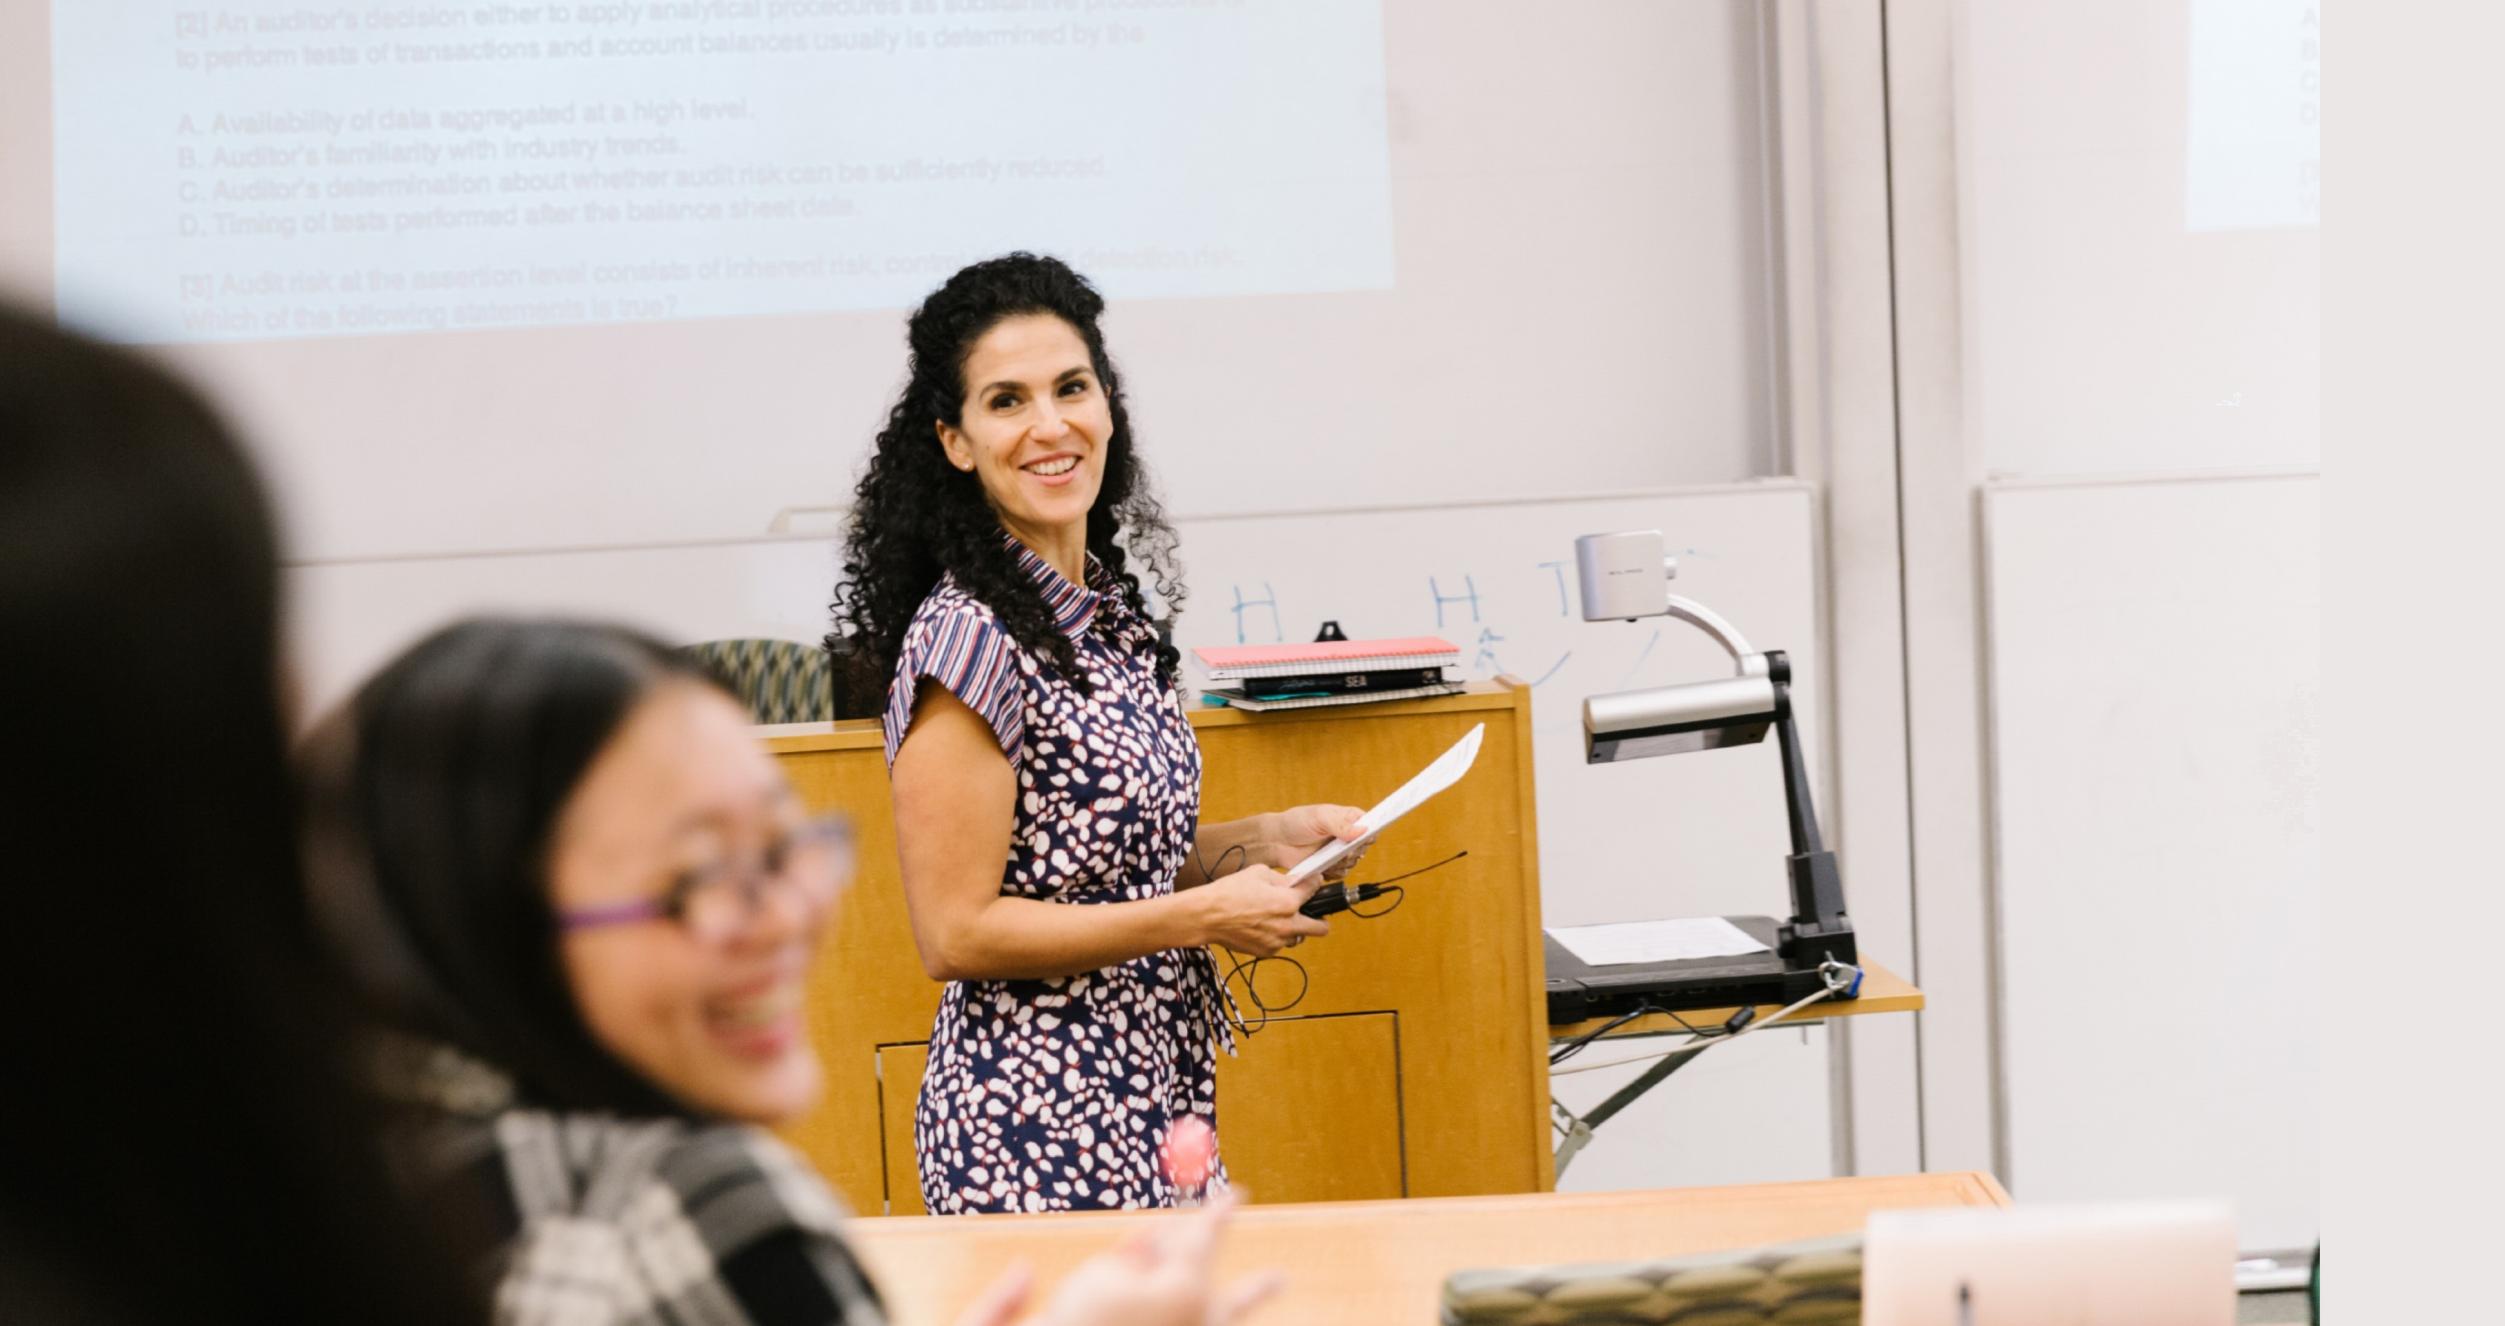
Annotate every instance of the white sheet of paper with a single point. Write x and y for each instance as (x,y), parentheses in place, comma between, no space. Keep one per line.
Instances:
(1657,941)
(1447,770)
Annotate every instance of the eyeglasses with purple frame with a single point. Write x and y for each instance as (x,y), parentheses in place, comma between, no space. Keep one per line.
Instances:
(831,834)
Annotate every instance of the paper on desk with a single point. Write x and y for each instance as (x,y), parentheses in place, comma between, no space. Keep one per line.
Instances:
(1447,770)
(1657,941)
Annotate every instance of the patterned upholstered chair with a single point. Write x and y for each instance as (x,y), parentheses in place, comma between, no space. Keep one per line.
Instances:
(1816,1282)
(779,681)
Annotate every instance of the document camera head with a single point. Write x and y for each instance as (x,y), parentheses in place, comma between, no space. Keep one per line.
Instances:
(1672,720)
(1623,576)
(1626,576)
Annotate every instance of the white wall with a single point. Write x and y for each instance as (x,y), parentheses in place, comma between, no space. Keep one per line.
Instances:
(1839,376)
(2111,324)
(2067,304)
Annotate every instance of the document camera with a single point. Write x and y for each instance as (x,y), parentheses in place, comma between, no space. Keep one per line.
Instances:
(1625,577)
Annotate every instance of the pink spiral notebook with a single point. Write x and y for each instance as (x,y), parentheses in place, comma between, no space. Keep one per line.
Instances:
(1226,662)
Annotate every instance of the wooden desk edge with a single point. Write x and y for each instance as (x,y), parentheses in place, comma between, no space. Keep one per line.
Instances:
(1405,1248)
(1882,991)
(1974,1187)
(849,734)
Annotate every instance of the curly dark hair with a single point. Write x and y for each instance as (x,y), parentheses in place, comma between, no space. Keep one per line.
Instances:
(915,517)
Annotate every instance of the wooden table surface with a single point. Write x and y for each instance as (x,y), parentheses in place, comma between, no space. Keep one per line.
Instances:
(1384,1263)
(1882,991)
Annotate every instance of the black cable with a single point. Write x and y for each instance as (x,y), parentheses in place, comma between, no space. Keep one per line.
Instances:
(1248,969)
(1580,1043)
(1380,883)
(1238,851)
(1574,1047)
(1396,893)
(1332,899)
(1691,1028)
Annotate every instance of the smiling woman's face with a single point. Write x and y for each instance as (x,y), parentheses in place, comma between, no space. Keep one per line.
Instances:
(1033,427)
(715,1020)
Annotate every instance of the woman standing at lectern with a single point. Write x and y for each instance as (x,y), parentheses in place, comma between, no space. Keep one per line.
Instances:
(1047,785)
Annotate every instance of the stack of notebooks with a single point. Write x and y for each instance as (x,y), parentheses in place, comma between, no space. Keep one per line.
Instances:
(1328,672)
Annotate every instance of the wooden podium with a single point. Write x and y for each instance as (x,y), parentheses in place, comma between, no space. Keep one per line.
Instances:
(1417,1062)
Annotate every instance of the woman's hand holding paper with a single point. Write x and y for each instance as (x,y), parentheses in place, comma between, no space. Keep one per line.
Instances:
(1301,831)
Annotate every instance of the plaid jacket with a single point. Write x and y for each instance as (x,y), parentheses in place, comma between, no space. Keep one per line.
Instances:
(638,1222)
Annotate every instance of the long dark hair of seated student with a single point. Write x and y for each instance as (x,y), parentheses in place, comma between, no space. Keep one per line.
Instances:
(183,1144)
(435,793)
(559,1066)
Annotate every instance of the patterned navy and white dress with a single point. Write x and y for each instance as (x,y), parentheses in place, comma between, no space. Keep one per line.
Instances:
(1056,1095)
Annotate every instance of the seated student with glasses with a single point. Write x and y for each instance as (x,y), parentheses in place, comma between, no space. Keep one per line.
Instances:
(581,901)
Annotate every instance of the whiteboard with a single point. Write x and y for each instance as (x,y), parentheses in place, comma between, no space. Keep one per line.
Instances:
(2155,678)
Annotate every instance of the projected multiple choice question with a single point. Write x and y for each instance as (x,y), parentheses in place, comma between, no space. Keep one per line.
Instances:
(2253,137)
(254,171)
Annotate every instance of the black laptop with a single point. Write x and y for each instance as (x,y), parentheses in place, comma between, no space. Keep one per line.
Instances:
(1578,991)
